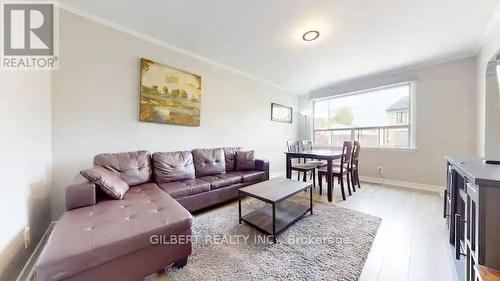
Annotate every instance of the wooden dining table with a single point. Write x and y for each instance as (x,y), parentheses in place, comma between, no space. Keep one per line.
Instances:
(320,154)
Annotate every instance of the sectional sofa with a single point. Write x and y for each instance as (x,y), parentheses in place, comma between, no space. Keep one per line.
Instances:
(100,238)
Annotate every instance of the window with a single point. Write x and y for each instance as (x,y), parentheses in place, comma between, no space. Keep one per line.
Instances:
(378,117)
(401,117)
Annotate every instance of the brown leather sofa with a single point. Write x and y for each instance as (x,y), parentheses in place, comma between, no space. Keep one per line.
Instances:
(214,179)
(99,238)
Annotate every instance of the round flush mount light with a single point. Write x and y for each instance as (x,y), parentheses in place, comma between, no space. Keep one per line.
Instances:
(310,35)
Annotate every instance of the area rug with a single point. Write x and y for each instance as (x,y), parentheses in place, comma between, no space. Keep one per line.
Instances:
(331,244)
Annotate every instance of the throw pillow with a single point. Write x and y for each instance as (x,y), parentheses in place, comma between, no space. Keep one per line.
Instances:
(245,160)
(109,182)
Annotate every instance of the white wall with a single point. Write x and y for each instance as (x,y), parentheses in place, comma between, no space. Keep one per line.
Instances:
(25,162)
(96,102)
(492,114)
(488,97)
(445,121)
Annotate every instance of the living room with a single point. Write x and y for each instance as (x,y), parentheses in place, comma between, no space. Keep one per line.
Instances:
(203,107)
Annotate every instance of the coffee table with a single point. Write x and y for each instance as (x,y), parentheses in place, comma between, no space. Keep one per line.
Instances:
(281,213)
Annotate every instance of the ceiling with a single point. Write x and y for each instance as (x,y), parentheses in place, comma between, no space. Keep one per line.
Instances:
(263,38)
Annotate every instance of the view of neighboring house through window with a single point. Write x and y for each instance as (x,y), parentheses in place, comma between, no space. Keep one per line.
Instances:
(377,118)
(401,117)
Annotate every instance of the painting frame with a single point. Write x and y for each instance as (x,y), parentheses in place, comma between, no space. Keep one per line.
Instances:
(286,113)
(169,95)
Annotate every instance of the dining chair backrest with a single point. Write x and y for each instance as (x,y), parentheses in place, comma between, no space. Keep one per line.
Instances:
(306,145)
(293,146)
(346,153)
(355,152)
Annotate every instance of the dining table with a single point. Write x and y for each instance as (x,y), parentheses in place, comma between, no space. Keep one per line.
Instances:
(329,155)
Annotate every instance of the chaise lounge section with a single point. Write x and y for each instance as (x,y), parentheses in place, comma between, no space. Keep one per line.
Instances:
(100,238)
(111,239)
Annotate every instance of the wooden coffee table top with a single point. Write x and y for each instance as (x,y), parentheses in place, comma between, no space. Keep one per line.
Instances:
(275,190)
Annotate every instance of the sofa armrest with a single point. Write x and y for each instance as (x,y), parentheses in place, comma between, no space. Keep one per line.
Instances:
(80,193)
(262,165)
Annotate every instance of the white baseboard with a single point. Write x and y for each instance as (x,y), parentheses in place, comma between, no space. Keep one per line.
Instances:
(28,271)
(388,182)
(405,184)
(277,175)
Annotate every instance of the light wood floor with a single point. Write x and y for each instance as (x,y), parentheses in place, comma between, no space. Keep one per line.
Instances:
(411,243)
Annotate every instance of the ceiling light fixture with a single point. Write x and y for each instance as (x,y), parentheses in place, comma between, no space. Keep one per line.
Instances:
(311,35)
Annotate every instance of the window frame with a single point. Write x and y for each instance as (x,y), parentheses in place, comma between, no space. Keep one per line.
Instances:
(411,117)
(401,117)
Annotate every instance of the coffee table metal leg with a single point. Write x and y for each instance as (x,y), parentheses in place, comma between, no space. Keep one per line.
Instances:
(311,199)
(239,206)
(274,222)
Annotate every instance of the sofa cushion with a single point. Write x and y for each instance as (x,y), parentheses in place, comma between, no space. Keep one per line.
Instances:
(245,160)
(250,176)
(185,188)
(108,181)
(132,167)
(173,166)
(209,162)
(87,237)
(221,180)
(230,158)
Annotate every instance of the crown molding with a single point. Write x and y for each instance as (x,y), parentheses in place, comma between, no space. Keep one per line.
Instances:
(151,39)
(491,25)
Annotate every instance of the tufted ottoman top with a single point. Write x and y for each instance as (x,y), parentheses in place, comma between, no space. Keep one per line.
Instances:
(90,236)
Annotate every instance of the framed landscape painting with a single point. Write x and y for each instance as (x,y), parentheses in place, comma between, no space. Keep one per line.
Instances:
(169,95)
(281,113)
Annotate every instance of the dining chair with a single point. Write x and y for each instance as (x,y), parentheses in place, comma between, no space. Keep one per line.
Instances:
(307,145)
(353,168)
(294,146)
(340,170)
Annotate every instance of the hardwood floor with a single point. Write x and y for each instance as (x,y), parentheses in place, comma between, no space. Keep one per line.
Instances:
(411,243)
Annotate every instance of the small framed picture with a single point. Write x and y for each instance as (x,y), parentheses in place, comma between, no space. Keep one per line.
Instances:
(281,113)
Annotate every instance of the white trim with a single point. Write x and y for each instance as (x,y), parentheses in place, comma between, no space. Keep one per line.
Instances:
(390,149)
(277,175)
(402,73)
(28,270)
(404,184)
(412,84)
(413,114)
(489,28)
(371,89)
(387,182)
(145,37)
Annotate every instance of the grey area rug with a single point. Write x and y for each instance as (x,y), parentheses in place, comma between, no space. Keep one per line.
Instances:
(331,244)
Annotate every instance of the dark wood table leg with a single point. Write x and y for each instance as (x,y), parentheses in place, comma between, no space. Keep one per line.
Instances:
(288,166)
(239,206)
(349,182)
(329,180)
(341,179)
(353,183)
